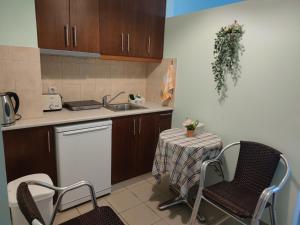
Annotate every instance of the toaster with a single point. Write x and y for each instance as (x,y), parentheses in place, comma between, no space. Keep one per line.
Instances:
(52,102)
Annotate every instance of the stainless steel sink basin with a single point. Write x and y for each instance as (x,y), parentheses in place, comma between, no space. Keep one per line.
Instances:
(123,107)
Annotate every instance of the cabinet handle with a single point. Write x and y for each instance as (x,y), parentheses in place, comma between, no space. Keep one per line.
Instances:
(128,42)
(122,42)
(66,28)
(49,142)
(149,44)
(166,114)
(133,127)
(74,28)
(140,124)
(86,130)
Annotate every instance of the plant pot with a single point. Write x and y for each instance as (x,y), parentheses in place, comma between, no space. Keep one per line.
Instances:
(190,133)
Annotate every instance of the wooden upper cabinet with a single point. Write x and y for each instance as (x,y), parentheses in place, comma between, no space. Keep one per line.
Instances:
(52,24)
(112,32)
(148,28)
(156,28)
(68,24)
(84,24)
(132,28)
(137,16)
(114,28)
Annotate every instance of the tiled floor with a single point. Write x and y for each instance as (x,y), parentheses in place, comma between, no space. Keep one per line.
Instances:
(136,201)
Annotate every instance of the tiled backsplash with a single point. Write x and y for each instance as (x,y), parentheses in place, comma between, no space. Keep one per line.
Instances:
(20,72)
(88,78)
(24,71)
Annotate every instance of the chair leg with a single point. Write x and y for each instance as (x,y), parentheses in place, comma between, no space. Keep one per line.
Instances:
(195,212)
(197,206)
(272,211)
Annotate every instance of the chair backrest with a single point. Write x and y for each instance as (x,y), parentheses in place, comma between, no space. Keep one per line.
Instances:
(256,166)
(27,204)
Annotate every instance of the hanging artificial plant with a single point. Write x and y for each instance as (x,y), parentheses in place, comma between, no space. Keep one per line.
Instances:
(227,55)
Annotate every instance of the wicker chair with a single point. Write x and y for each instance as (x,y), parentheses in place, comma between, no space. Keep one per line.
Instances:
(97,216)
(249,193)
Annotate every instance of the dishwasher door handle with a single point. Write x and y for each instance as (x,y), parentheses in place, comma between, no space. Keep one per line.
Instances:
(82,131)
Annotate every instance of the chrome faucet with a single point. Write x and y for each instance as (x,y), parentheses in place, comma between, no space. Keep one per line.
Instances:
(105,102)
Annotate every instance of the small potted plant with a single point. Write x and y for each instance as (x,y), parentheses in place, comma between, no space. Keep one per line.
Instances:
(190,126)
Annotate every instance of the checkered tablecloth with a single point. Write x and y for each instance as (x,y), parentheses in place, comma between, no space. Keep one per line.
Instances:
(182,156)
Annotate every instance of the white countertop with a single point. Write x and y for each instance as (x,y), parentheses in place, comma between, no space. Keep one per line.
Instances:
(67,116)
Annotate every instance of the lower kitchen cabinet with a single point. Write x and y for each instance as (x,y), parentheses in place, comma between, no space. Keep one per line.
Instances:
(29,151)
(134,140)
(123,148)
(165,121)
(148,126)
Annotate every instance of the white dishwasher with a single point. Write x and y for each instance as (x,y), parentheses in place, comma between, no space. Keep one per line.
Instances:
(83,152)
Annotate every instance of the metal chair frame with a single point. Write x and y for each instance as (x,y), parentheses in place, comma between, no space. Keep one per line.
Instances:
(267,196)
(61,192)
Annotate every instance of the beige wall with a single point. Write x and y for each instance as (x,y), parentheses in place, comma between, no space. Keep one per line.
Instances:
(20,72)
(18,23)
(264,106)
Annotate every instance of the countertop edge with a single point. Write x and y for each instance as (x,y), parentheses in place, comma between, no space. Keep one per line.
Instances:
(39,122)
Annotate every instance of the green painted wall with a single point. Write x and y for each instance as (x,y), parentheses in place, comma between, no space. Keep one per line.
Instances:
(4,211)
(264,106)
(17,23)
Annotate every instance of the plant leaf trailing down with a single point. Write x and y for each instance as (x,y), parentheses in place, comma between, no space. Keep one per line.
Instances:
(227,51)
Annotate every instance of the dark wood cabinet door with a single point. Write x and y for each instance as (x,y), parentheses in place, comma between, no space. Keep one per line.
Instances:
(156,28)
(124,134)
(133,28)
(84,22)
(137,16)
(147,142)
(112,32)
(53,29)
(134,141)
(146,24)
(165,121)
(29,151)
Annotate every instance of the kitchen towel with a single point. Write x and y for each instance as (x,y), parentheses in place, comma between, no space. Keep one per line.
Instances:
(168,85)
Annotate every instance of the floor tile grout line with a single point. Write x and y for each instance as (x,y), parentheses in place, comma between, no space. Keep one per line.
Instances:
(123,211)
(123,218)
(154,211)
(159,218)
(145,202)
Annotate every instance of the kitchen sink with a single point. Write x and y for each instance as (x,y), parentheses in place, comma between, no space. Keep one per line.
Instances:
(123,107)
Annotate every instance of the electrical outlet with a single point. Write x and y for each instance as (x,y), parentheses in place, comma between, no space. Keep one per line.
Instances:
(52,90)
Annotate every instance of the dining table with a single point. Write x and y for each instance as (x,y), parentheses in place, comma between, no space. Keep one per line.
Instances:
(181,158)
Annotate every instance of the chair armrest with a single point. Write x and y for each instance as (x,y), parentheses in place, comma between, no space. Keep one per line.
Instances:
(225,149)
(63,191)
(263,201)
(286,175)
(271,191)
